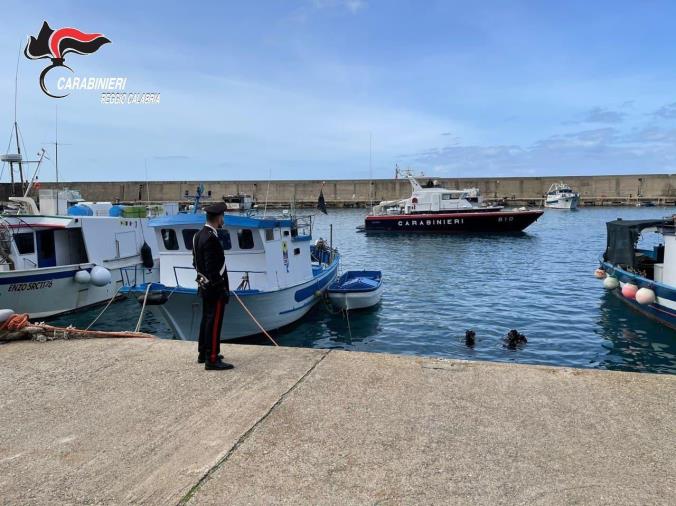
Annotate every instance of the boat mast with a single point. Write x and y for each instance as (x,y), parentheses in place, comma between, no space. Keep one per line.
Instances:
(370,170)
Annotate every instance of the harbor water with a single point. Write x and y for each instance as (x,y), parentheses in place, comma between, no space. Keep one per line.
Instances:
(539,282)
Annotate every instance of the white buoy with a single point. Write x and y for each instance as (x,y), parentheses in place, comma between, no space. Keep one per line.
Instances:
(645,296)
(5,314)
(83,277)
(100,276)
(610,283)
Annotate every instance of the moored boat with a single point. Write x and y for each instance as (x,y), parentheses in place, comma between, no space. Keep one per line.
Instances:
(644,278)
(436,209)
(561,196)
(276,275)
(356,290)
(50,265)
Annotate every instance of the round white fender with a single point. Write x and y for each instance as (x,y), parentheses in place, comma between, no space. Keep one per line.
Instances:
(5,315)
(645,296)
(83,277)
(100,276)
(610,283)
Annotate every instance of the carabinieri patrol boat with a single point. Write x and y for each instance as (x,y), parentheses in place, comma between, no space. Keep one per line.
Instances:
(276,274)
(438,209)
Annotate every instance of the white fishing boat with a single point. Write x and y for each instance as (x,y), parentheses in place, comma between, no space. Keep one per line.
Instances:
(356,290)
(561,196)
(51,265)
(239,202)
(276,275)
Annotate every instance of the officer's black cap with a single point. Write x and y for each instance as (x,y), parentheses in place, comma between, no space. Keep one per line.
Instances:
(215,209)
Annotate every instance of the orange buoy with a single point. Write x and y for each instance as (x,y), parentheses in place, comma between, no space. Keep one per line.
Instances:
(629,290)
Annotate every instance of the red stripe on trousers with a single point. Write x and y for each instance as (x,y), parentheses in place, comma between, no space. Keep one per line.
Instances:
(214,331)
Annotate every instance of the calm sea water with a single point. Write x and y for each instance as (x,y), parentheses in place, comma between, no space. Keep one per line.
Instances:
(540,282)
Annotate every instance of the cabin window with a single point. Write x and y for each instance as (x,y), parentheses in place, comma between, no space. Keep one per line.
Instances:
(224,237)
(24,243)
(269,234)
(169,239)
(245,239)
(286,233)
(296,251)
(449,196)
(188,235)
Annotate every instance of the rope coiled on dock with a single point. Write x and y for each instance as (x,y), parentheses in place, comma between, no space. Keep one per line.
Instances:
(18,327)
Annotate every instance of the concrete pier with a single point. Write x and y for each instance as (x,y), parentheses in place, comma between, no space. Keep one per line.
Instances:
(138,421)
(594,190)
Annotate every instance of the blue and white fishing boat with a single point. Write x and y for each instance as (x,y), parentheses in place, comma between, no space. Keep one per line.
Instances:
(276,274)
(645,278)
(356,290)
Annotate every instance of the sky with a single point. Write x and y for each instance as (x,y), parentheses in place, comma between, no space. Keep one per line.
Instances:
(331,89)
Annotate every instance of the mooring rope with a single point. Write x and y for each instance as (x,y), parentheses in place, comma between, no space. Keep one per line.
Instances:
(105,308)
(143,307)
(254,319)
(19,327)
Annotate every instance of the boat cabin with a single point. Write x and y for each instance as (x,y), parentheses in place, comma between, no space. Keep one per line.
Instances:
(36,241)
(260,253)
(644,247)
(430,199)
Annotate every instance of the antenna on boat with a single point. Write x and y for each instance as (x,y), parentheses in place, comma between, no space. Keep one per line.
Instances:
(267,193)
(35,174)
(56,143)
(370,169)
(13,158)
(145,163)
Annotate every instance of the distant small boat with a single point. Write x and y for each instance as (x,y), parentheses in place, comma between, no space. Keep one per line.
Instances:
(561,196)
(356,290)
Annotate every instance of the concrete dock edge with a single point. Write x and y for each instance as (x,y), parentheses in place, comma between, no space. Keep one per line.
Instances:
(138,421)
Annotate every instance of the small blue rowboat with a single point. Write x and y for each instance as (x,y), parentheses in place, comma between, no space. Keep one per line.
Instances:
(356,289)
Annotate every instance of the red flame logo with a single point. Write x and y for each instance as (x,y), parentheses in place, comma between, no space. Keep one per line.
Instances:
(55,45)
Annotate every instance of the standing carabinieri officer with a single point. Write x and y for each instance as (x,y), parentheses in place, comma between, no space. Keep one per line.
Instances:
(212,278)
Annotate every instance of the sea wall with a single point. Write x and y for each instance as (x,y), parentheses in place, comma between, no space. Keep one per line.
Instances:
(344,192)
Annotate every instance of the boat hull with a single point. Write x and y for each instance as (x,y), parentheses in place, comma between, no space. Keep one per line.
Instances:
(663,310)
(356,300)
(466,222)
(563,203)
(275,309)
(51,291)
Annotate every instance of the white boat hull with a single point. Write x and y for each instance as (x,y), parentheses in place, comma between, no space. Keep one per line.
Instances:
(273,309)
(563,203)
(50,291)
(356,300)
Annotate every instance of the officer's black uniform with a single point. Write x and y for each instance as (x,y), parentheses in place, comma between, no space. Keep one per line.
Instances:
(209,261)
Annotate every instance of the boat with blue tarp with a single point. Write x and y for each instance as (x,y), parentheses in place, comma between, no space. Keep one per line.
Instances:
(356,290)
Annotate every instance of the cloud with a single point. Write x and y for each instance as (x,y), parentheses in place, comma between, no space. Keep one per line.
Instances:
(351,5)
(171,157)
(600,150)
(601,115)
(667,111)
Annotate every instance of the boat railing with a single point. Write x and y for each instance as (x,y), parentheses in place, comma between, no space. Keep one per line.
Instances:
(245,282)
(303,225)
(136,275)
